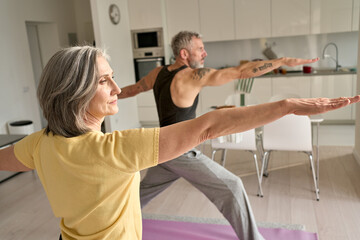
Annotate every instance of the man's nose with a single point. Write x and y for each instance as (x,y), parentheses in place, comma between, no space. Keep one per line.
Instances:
(205,53)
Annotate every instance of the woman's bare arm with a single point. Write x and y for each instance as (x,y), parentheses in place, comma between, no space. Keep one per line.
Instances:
(8,161)
(178,138)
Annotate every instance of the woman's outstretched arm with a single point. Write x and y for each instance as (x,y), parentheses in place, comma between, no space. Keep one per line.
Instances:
(178,138)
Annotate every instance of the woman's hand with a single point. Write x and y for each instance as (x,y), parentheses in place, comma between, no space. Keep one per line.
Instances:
(311,106)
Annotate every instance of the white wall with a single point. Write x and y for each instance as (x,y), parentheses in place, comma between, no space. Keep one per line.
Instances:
(17,84)
(116,39)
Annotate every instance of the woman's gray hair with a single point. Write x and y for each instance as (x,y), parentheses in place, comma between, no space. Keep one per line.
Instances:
(67,84)
(183,40)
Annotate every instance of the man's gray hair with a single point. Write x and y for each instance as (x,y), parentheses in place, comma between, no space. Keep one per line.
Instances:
(67,84)
(183,40)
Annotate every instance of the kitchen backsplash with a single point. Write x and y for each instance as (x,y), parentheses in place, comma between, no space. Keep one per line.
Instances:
(229,53)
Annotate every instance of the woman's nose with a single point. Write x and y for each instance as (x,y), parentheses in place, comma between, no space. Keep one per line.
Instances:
(115,89)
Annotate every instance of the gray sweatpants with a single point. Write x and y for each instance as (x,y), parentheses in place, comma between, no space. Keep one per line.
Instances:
(220,186)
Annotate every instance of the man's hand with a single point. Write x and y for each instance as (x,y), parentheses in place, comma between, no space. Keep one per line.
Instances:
(291,62)
(311,106)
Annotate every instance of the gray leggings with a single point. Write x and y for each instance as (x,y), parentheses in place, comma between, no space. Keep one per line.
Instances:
(221,187)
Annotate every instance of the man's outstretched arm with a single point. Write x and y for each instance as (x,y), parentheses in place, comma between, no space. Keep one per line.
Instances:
(143,85)
(212,77)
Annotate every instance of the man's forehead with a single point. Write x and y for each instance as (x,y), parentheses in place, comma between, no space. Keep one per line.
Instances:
(197,41)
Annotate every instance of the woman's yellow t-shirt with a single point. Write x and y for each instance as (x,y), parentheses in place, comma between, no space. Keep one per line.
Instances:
(92,181)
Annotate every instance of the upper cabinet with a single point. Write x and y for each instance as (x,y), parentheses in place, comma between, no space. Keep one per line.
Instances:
(182,15)
(355,16)
(217,20)
(245,19)
(329,16)
(252,19)
(290,17)
(145,14)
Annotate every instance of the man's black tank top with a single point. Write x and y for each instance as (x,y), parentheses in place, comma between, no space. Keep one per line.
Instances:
(168,112)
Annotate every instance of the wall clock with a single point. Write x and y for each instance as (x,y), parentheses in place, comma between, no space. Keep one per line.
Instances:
(114,14)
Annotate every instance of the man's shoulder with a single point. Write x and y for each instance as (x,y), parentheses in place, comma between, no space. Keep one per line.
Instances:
(184,71)
(156,71)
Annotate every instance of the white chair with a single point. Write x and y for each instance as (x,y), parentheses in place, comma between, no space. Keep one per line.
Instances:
(289,133)
(238,141)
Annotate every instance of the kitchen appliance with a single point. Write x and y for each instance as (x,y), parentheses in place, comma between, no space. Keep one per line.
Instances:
(148,50)
(144,65)
(147,42)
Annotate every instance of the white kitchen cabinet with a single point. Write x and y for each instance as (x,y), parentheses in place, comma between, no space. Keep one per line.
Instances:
(147,107)
(217,20)
(333,86)
(145,14)
(355,16)
(291,85)
(252,19)
(290,17)
(182,15)
(328,16)
(215,96)
(148,116)
(261,91)
(146,99)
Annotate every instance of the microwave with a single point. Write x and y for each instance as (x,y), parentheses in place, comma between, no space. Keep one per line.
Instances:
(147,43)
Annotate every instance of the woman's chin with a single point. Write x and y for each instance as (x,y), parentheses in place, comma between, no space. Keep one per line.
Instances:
(113,112)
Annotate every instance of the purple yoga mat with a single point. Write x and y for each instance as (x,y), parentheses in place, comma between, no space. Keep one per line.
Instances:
(174,230)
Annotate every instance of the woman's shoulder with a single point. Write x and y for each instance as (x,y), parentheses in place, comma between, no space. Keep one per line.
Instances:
(129,133)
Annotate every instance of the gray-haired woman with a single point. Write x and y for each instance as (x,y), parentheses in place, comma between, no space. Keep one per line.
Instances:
(92,179)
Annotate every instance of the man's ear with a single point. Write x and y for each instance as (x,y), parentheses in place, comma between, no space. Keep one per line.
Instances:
(184,53)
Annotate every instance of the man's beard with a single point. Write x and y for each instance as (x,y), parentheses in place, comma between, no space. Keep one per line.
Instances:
(196,64)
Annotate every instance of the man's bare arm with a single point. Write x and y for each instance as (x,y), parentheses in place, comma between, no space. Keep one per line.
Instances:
(134,89)
(143,85)
(212,77)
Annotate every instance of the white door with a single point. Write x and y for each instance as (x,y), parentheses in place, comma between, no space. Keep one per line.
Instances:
(37,64)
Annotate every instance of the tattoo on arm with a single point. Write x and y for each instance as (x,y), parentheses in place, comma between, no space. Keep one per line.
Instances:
(265,66)
(134,89)
(200,72)
(143,85)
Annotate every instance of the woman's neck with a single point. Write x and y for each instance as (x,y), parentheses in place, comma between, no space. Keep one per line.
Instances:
(93,122)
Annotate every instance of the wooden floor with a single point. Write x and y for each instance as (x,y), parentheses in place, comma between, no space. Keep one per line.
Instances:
(288,197)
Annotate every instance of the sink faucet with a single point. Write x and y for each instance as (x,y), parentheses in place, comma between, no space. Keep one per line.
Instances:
(329,56)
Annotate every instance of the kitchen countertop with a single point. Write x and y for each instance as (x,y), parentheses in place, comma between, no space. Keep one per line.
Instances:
(314,73)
